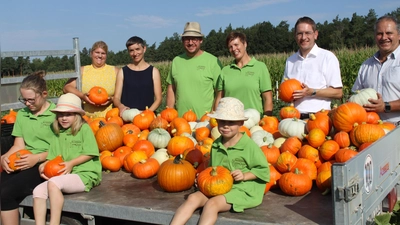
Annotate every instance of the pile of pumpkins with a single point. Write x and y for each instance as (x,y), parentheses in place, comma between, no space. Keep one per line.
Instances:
(299,152)
(9,118)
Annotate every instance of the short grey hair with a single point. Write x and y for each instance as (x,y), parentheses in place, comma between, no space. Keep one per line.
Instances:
(388,18)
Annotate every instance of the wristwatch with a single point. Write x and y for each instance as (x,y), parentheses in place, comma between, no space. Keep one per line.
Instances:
(387,107)
(314,92)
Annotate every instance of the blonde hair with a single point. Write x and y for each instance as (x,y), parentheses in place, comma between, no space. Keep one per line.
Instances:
(35,82)
(75,126)
(99,44)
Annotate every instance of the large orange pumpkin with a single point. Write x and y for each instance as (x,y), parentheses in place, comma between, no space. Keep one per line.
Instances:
(98,95)
(295,183)
(347,114)
(269,123)
(53,166)
(109,137)
(17,156)
(176,175)
(213,181)
(364,133)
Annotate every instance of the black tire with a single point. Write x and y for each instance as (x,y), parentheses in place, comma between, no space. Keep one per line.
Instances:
(72,219)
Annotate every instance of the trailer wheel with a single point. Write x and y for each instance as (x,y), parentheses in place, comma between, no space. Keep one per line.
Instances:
(72,219)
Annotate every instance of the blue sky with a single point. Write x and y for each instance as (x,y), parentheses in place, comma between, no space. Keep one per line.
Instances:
(51,25)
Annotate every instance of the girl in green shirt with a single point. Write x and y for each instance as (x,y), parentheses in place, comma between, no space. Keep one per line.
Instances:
(75,142)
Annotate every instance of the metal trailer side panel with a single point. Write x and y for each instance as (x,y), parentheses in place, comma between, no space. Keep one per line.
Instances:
(361,184)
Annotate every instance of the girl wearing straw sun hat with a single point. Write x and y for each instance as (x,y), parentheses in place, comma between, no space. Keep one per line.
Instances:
(242,156)
(75,142)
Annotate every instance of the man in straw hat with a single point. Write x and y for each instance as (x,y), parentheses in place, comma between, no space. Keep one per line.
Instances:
(238,153)
(193,75)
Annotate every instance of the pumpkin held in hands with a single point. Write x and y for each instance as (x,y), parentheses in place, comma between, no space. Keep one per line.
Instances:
(215,180)
(98,95)
(17,156)
(53,166)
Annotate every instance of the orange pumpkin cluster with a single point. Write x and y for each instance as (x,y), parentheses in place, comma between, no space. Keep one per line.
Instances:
(9,118)
(327,137)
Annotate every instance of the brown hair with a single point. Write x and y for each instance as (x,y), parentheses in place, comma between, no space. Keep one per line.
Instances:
(35,82)
(306,20)
(99,44)
(75,126)
(236,34)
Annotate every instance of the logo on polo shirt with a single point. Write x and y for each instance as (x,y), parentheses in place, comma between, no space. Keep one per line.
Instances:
(249,73)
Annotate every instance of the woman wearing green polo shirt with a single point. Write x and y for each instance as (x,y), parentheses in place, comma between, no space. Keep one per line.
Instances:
(32,131)
(246,78)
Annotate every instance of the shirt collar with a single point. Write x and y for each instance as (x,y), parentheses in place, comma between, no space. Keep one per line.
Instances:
(392,55)
(313,53)
(250,63)
(242,143)
(45,113)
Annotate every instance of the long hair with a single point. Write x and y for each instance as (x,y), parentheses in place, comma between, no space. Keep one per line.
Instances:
(75,126)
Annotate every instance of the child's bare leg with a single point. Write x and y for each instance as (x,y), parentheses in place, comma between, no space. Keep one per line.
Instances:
(56,203)
(39,210)
(185,211)
(211,209)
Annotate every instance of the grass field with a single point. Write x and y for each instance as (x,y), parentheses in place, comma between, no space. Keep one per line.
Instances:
(350,61)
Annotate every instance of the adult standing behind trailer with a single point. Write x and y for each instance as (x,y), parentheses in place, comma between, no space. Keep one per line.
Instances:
(382,71)
(138,84)
(316,68)
(193,75)
(32,131)
(246,78)
(96,74)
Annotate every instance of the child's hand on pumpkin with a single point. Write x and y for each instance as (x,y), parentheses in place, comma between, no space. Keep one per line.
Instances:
(67,167)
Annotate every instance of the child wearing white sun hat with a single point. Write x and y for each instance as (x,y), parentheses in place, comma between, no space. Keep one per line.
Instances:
(242,156)
(75,142)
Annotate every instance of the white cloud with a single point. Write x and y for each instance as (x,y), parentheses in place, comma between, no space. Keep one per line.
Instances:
(150,22)
(234,9)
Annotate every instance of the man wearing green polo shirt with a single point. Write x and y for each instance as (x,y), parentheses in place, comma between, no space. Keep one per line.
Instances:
(246,78)
(193,75)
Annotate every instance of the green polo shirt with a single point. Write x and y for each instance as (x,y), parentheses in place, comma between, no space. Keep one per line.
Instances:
(248,157)
(70,147)
(35,130)
(195,81)
(246,84)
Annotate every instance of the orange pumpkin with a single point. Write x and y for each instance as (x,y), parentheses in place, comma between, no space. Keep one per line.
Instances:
(202,133)
(213,181)
(143,120)
(178,144)
(315,137)
(289,112)
(373,117)
(287,88)
(146,168)
(320,121)
(342,138)
(111,163)
(271,152)
(144,145)
(132,158)
(169,114)
(291,144)
(53,166)
(95,123)
(190,116)
(324,181)
(364,133)
(179,126)
(17,156)
(111,113)
(285,162)
(130,140)
(269,123)
(159,122)
(204,145)
(295,183)
(311,153)
(129,128)
(121,153)
(307,167)
(328,149)
(98,95)
(344,154)
(116,119)
(109,137)
(347,114)
(176,175)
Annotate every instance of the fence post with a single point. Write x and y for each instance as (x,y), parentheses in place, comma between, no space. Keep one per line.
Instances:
(77,59)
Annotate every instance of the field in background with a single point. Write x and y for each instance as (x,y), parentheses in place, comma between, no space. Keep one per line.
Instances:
(350,62)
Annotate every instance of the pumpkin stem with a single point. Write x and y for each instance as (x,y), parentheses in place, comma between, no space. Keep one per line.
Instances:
(178,159)
(327,191)
(214,171)
(101,123)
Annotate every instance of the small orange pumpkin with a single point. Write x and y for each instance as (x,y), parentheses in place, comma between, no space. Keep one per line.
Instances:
(98,95)
(17,156)
(146,168)
(213,181)
(287,88)
(53,166)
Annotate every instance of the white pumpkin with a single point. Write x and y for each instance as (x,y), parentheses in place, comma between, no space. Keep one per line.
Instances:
(215,133)
(129,114)
(159,138)
(203,124)
(279,141)
(292,127)
(262,137)
(161,155)
(255,128)
(254,117)
(361,97)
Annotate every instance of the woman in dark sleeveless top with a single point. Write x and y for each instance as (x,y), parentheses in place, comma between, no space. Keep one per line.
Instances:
(138,84)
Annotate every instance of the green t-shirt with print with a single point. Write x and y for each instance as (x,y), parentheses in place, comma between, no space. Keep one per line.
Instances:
(70,147)
(195,81)
(35,130)
(246,156)
(246,83)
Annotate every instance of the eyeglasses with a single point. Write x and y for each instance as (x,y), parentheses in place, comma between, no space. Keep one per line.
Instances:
(193,39)
(29,100)
(307,33)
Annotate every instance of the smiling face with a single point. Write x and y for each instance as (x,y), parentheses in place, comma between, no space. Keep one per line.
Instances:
(229,129)
(387,37)
(237,48)
(99,57)
(136,52)
(305,37)
(192,45)
(66,119)
(34,101)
